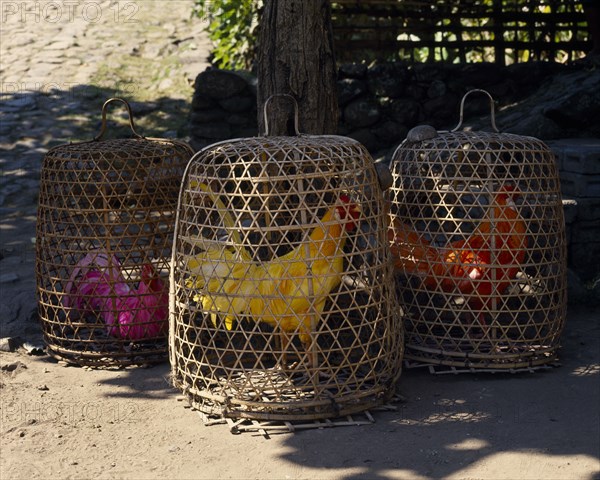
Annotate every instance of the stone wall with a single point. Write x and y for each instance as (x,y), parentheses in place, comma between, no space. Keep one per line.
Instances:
(381,102)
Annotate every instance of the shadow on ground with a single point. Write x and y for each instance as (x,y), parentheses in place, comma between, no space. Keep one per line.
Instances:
(32,122)
(450,423)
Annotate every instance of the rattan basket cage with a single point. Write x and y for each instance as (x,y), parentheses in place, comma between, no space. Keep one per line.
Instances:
(283,303)
(478,241)
(105,228)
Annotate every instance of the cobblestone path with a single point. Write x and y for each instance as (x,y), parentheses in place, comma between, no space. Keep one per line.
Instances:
(59,61)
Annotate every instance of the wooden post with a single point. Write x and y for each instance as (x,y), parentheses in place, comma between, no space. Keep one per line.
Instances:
(295,57)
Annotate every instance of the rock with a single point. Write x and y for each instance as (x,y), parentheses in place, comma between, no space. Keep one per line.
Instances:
(238,103)
(10,344)
(362,113)
(437,88)
(353,70)
(348,89)
(219,84)
(367,138)
(420,133)
(576,291)
(237,120)
(570,210)
(536,125)
(532,73)
(584,254)
(33,349)
(387,79)
(207,116)
(390,132)
(202,102)
(427,73)
(574,110)
(218,130)
(384,175)
(595,293)
(405,111)
(12,366)
(480,75)
(441,110)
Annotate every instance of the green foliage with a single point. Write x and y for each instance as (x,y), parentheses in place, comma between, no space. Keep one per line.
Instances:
(232,28)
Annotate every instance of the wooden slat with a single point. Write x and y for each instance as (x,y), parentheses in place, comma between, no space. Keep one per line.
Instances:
(377,24)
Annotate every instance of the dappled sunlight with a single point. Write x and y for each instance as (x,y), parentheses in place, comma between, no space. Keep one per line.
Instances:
(531,465)
(448,410)
(440,417)
(469,444)
(586,370)
(399,474)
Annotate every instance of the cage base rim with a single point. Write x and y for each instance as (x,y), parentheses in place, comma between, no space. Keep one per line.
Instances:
(377,399)
(440,366)
(102,359)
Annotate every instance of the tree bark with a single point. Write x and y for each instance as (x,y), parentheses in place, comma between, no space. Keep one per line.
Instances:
(296,57)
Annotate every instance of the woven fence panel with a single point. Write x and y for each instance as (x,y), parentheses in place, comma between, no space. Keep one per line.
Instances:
(500,31)
(105,228)
(283,300)
(478,239)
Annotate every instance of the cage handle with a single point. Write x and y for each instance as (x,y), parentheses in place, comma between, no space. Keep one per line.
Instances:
(462,105)
(104,107)
(294,103)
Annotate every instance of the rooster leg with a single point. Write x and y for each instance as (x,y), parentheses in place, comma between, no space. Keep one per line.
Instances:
(476,326)
(311,355)
(310,358)
(490,331)
(483,324)
(283,342)
(481,329)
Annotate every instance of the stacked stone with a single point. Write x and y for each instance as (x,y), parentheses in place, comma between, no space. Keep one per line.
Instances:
(223,107)
(579,165)
(379,103)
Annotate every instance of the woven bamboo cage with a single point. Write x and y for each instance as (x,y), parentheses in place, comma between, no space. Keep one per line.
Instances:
(283,303)
(479,248)
(105,228)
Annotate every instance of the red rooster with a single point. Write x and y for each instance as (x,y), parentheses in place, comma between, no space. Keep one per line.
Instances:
(480,267)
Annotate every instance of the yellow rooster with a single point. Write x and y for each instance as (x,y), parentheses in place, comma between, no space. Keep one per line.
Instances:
(288,292)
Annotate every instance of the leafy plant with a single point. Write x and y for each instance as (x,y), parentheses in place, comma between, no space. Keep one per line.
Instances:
(232,28)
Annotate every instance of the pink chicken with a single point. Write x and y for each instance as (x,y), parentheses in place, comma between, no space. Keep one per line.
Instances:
(133,314)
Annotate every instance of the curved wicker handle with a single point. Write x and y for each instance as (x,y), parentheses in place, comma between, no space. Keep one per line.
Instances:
(294,102)
(462,105)
(103,127)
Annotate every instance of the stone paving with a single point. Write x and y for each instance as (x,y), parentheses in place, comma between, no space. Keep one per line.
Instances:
(59,61)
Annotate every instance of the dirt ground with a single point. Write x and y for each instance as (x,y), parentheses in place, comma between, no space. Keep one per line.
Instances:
(61,422)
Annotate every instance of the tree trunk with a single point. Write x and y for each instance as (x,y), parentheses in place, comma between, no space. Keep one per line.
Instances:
(295,57)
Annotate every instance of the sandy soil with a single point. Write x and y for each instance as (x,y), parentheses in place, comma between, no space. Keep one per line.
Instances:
(59,422)
(69,422)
